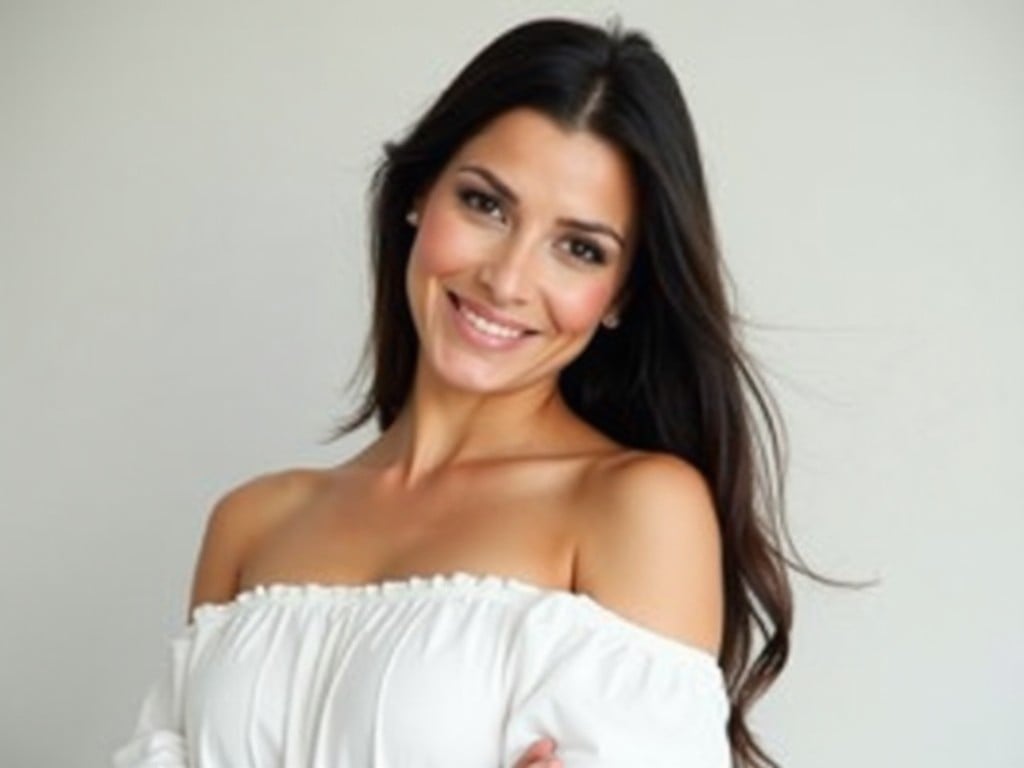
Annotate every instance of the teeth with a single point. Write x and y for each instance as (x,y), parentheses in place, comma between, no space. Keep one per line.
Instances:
(487,326)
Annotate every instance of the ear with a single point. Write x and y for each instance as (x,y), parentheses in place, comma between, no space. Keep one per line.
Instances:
(419,199)
(417,204)
(621,300)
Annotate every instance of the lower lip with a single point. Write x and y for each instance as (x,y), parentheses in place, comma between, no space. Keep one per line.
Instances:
(478,338)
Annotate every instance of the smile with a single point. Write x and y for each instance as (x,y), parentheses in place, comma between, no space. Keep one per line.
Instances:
(482,331)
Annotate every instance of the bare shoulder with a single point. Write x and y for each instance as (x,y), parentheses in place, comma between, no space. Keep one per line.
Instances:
(649,547)
(239,518)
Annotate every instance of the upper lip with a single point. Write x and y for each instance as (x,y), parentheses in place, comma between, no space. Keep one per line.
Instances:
(486,312)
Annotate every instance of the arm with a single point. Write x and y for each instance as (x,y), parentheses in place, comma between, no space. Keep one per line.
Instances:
(240,519)
(626,672)
(651,550)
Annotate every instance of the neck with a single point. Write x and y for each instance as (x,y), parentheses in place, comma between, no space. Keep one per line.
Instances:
(442,427)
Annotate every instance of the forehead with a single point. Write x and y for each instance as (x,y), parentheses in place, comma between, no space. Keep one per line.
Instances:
(574,171)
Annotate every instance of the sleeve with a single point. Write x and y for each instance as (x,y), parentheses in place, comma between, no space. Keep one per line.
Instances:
(159,740)
(612,693)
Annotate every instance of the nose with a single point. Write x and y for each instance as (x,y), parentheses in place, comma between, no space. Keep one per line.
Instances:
(507,272)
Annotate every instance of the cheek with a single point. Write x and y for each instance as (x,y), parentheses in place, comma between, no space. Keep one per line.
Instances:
(444,244)
(579,310)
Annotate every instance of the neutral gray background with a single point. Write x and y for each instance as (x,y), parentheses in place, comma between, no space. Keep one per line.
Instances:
(183,291)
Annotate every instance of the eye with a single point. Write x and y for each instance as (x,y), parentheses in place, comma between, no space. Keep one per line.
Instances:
(587,251)
(479,201)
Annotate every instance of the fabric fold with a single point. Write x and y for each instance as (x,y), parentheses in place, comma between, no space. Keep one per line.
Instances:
(452,671)
(158,740)
(613,693)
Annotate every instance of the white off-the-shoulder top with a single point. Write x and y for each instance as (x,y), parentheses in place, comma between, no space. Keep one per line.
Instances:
(455,670)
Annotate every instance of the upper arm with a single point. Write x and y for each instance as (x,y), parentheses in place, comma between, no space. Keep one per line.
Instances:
(239,518)
(650,550)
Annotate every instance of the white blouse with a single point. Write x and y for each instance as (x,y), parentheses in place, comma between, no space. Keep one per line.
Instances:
(455,670)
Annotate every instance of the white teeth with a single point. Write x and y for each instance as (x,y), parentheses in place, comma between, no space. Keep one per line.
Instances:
(487,326)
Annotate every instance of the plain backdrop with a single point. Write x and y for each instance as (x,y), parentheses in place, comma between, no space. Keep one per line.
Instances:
(184,291)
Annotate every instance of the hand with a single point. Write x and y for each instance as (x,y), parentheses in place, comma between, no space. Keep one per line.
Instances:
(541,754)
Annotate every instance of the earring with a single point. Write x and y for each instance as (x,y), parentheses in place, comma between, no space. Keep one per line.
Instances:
(412,217)
(610,321)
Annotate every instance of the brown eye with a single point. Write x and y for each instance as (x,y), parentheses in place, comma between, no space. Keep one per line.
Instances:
(479,201)
(587,251)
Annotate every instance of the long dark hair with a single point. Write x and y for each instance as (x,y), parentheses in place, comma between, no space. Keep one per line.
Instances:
(673,376)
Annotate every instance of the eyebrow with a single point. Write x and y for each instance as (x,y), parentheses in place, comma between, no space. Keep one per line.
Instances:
(506,191)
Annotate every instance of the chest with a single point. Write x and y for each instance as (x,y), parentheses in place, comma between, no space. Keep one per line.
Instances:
(514,523)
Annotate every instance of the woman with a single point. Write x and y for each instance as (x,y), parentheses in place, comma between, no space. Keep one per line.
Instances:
(550,555)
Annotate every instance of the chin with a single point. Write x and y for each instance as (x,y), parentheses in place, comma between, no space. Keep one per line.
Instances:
(456,371)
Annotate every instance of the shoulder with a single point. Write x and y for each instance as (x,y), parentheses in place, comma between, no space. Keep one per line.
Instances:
(649,547)
(252,505)
(238,518)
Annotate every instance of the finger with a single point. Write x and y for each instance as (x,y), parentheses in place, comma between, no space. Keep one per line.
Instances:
(537,753)
(541,748)
(546,744)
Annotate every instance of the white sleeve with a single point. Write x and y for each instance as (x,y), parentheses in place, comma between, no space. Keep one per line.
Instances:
(612,693)
(159,738)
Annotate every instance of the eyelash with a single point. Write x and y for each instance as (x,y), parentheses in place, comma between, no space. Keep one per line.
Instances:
(468,195)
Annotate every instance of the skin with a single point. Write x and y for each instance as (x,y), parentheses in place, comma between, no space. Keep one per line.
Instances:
(541,754)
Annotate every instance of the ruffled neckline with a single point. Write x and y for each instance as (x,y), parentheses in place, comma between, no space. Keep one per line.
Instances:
(456,583)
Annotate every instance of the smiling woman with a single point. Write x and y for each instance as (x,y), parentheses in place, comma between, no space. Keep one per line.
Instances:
(520,231)
(559,545)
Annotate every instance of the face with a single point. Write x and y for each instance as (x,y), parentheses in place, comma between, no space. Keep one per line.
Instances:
(523,242)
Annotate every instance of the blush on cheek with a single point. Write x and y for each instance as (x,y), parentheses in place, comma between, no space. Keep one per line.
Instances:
(445,244)
(581,309)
